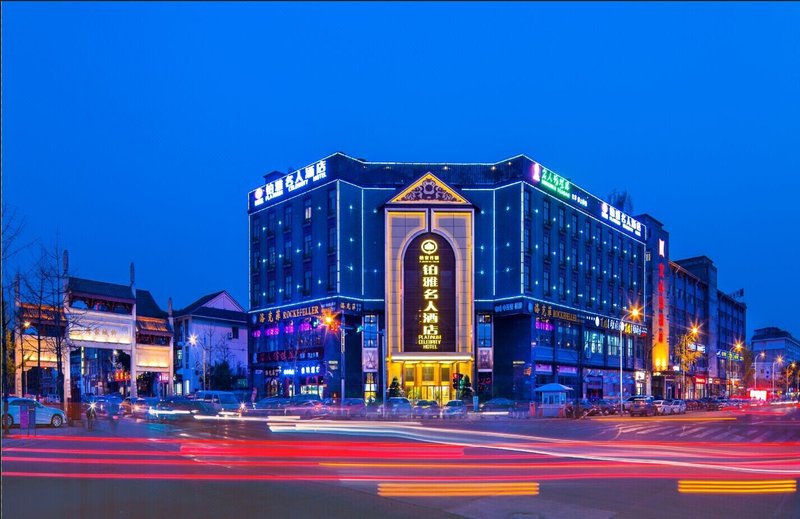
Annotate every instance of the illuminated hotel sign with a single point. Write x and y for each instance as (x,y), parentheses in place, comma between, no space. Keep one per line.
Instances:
(429,295)
(550,181)
(620,219)
(288,183)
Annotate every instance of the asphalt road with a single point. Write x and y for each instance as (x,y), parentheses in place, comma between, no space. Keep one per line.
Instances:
(721,464)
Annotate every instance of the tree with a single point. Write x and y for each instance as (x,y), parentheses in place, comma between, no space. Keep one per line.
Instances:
(748,367)
(395,389)
(466,388)
(687,355)
(621,200)
(10,246)
(221,376)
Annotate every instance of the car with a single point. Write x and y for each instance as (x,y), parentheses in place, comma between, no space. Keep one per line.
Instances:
(306,408)
(51,398)
(268,406)
(642,406)
(426,409)
(178,409)
(352,408)
(603,407)
(223,401)
(663,407)
(141,406)
(678,406)
(503,405)
(454,409)
(398,407)
(44,415)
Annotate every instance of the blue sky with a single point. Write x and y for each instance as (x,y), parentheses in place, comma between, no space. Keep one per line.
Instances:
(135,131)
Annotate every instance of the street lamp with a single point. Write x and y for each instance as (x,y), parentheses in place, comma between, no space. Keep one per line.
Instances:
(632,313)
(788,373)
(762,355)
(778,360)
(193,342)
(683,344)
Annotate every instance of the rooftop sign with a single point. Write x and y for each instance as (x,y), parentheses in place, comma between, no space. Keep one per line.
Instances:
(288,183)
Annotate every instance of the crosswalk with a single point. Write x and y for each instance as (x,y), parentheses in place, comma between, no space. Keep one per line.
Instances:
(709,432)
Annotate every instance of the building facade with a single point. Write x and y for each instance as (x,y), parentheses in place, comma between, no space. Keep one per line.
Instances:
(111,338)
(209,331)
(774,350)
(503,273)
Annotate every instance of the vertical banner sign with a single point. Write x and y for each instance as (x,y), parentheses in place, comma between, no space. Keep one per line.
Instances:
(429,295)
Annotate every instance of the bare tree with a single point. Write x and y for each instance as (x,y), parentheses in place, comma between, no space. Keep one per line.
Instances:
(10,246)
(686,356)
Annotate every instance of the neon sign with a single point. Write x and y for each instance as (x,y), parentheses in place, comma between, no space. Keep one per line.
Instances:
(291,182)
(430,338)
(556,183)
(620,219)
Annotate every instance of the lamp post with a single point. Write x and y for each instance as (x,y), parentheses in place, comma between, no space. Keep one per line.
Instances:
(632,313)
(684,344)
(788,373)
(762,355)
(778,360)
(193,342)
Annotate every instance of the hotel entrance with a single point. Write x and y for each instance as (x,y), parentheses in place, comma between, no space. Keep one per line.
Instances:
(423,380)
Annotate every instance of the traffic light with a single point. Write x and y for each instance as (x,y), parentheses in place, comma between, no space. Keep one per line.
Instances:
(458,381)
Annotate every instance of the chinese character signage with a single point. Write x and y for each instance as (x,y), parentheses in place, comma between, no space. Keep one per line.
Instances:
(288,183)
(429,290)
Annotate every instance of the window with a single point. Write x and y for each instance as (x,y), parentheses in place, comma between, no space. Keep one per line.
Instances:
(287,285)
(427,374)
(574,223)
(546,281)
(598,266)
(307,210)
(526,203)
(526,239)
(271,254)
(561,222)
(613,344)
(574,257)
(546,246)
(593,341)
(270,222)
(332,276)
(587,293)
(575,291)
(562,292)
(561,252)
(287,251)
(546,211)
(409,374)
(256,228)
(331,239)
(587,230)
(307,245)
(331,201)
(484,330)
(307,282)
(526,274)
(271,289)
(287,217)
(234,332)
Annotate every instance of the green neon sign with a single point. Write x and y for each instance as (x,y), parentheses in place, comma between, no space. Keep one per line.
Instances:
(555,183)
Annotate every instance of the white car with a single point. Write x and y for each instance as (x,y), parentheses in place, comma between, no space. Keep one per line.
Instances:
(662,407)
(678,406)
(44,415)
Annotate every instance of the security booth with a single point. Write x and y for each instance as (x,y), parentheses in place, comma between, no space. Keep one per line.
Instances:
(554,400)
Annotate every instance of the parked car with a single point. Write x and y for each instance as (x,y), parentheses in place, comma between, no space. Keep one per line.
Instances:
(352,408)
(141,407)
(663,407)
(678,406)
(398,407)
(44,415)
(454,409)
(306,408)
(642,406)
(604,407)
(503,405)
(269,406)
(223,401)
(426,409)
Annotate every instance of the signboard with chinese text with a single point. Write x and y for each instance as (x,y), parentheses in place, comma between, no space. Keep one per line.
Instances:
(429,295)
(288,183)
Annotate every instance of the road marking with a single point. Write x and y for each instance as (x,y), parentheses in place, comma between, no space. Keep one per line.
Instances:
(709,486)
(429,489)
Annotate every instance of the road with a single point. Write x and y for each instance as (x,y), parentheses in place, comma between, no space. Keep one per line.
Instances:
(721,464)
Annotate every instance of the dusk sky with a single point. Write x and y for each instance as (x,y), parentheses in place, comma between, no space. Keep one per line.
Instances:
(135,131)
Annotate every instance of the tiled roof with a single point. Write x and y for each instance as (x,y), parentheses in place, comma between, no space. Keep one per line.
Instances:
(153,325)
(197,304)
(31,313)
(100,288)
(216,313)
(146,305)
